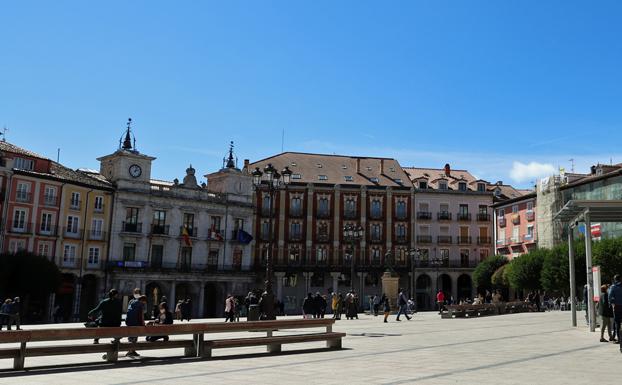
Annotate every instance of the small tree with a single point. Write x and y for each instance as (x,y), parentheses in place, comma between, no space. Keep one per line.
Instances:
(499,278)
(608,254)
(482,275)
(524,272)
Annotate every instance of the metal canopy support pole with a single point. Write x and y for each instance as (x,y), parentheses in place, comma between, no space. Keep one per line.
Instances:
(573,305)
(590,279)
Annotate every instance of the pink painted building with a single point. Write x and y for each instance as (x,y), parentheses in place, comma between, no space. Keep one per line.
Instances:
(515,226)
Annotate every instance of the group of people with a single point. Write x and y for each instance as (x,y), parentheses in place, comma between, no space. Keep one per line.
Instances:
(348,305)
(108,313)
(610,310)
(183,310)
(314,306)
(9,313)
(232,312)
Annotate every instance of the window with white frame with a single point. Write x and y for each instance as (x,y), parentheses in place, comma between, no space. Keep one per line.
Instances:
(514,209)
(529,232)
(19,220)
(69,255)
(75,200)
(72,224)
(44,249)
(23,164)
(93,258)
(46,223)
(99,203)
(501,213)
(442,185)
(17,245)
(49,196)
(96,228)
(462,186)
(501,239)
(481,187)
(321,254)
(22,192)
(515,234)
(444,253)
(529,206)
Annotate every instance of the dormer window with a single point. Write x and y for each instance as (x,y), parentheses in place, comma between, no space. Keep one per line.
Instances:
(296,176)
(462,186)
(481,187)
(442,185)
(348,178)
(322,177)
(374,179)
(423,184)
(319,165)
(497,192)
(23,164)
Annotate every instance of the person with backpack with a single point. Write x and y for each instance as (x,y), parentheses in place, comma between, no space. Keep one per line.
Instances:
(402,302)
(135,317)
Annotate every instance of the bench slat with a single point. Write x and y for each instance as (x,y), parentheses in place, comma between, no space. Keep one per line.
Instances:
(259,341)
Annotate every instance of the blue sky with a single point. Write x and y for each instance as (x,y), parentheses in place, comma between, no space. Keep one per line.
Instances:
(507,89)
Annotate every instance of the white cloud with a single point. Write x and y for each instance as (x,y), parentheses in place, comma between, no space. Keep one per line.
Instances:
(521,172)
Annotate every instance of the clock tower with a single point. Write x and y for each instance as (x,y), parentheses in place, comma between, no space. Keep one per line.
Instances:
(127,167)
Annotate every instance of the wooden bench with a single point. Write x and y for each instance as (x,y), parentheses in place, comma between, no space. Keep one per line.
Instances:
(487,309)
(197,346)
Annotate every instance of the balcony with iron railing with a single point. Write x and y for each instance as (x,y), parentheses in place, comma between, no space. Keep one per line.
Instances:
(70,233)
(483,217)
(484,240)
(160,230)
(502,222)
(20,228)
(130,227)
(444,239)
(464,240)
(24,197)
(350,214)
(96,235)
(463,217)
(443,216)
(192,231)
(50,200)
(424,215)
(424,239)
(322,214)
(322,238)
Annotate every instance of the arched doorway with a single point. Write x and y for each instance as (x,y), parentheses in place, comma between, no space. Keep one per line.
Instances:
(185,291)
(64,296)
(465,287)
(88,295)
(423,292)
(444,284)
(211,301)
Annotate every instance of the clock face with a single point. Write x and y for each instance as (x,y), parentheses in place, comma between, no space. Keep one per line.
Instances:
(135,170)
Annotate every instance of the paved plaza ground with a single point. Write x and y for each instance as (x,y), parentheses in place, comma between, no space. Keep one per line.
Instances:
(524,348)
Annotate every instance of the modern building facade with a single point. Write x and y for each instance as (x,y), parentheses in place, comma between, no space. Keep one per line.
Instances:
(178,239)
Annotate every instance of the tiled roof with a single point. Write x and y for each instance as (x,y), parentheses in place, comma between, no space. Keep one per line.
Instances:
(9,147)
(434,175)
(338,169)
(62,173)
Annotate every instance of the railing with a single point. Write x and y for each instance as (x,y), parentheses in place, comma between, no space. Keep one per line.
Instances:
(464,240)
(128,227)
(443,216)
(75,205)
(424,239)
(192,231)
(50,200)
(47,231)
(464,216)
(350,214)
(322,214)
(443,239)
(73,234)
(515,219)
(401,239)
(96,235)
(483,217)
(530,215)
(502,222)
(484,240)
(188,267)
(160,229)
(323,238)
(424,215)
(23,196)
(25,228)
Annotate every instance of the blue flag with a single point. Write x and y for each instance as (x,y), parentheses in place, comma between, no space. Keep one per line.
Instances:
(244,237)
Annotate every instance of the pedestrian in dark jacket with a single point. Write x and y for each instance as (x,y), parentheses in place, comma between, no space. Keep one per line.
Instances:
(308,306)
(164,318)
(135,317)
(186,310)
(615,299)
(606,314)
(109,310)
(386,307)
(5,314)
(321,304)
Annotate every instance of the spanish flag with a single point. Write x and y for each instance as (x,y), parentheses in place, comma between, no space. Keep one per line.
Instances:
(186,236)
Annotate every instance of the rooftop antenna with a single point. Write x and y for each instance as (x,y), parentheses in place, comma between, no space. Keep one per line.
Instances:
(58,155)
(571,160)
(3,133)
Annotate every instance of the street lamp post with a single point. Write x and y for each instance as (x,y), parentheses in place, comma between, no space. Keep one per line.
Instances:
(415,255)
(352,233)
(271,181)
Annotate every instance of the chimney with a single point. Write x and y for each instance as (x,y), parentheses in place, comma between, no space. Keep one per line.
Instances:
(358,165)
(593,170)
(447,170)
(246,163)
(381,166)
(499,183)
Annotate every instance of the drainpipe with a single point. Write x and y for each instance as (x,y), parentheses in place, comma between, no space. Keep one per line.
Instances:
(113,199)
(76,310)
(5,209)
(224,251)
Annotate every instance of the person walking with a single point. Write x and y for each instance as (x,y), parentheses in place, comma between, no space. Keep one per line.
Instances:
(5,313)
(402,303)
(606,313)
(377,301)
(178,310)
(135,317)
(339,305)
(320,303)
(334,301)
(386,307)
(229,308)
(615,299)
(308,307)
(110,311)
(186,310)
(164,318)
(14,312)
(440,301)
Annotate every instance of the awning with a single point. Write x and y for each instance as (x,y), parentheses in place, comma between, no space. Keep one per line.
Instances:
(600,211)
